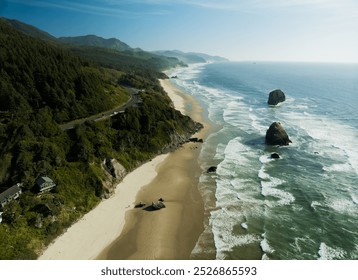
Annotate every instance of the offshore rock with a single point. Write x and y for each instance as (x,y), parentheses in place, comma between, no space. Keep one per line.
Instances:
(276,135)
(275,155)
(276,97)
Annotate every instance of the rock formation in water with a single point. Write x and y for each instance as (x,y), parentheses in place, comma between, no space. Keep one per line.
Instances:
(275,155)
(276,97)
(276,135)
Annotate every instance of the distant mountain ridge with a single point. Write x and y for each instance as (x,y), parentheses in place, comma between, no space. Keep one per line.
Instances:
(89,46)
(30,30)
(96,41)
(191,57)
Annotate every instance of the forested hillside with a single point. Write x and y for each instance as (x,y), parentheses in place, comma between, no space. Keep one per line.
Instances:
(144,63)
(36,75)
(96,41)
(43,85)
(30,30)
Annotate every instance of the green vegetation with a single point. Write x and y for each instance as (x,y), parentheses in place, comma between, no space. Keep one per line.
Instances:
(95,41)
(37,75)
(116,54)
(130,61)
(42,86)
(30,30)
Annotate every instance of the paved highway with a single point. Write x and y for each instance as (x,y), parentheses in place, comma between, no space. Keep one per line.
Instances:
(133,100)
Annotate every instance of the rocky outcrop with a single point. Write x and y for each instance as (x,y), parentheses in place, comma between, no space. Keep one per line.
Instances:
(276,97)
(115,168)
(177,140)
(114,173)
(276,135)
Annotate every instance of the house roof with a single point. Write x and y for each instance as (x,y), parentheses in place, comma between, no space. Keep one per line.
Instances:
(9,192)
(44,179)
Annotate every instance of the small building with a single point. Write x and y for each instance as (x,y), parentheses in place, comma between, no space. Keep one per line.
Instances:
(45,184)
(10,194)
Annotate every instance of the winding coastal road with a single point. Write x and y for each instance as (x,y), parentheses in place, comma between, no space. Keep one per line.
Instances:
(132,101)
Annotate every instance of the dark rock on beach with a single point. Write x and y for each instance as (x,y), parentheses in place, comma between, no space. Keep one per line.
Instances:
(158,205)
(139,205)
(177,140)
(196,140)
(276,97)
(276,135)
(211,169)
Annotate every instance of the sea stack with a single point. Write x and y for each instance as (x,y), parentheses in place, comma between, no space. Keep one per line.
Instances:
(275,156)
(276,135)
(276,97)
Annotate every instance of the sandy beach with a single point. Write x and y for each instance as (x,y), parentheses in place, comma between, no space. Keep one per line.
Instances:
(132,233)
(172,232)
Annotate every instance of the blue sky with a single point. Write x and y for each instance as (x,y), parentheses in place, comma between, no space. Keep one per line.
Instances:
(260,30)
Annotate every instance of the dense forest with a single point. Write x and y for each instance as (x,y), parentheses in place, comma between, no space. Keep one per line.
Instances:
(37,75)
(43,85)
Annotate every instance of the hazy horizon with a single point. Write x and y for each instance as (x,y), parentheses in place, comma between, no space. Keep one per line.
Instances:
(276,30)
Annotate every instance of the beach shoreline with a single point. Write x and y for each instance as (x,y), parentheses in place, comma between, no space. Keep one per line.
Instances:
(91,237)
(172,232)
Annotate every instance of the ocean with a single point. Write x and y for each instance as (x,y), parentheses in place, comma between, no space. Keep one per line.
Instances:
(303,205)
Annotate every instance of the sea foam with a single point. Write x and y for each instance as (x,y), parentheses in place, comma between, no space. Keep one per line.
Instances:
(315,178)
(329,253)
(265,247)
(223,222)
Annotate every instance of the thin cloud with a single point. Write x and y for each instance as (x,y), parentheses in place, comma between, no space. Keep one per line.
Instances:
(102,8)
(113,7)
(234,5)
(140,8)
